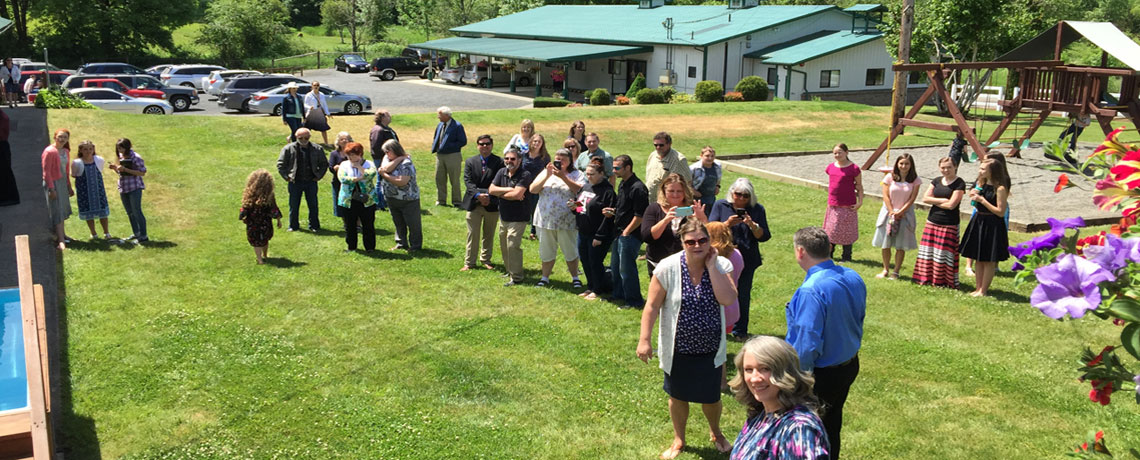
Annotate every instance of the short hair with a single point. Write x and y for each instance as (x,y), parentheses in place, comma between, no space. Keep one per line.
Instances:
(795,385)
(744,185)
(484,136)
(721,238)
(564,153)
(691,226)
(345,135)
(444,110)
(353,148)
(814,241)
(380,113)
(595,136)
(911,175)
(625,160)
(708,148)
(513,149)
(670,179)
(663,136)
(392,145)
(317,83)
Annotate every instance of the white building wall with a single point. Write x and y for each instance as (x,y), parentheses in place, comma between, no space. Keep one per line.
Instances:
(852,64)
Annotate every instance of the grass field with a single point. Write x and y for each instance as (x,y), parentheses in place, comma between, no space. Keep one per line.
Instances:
(185,349)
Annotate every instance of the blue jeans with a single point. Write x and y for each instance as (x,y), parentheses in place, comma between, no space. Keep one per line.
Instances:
(593,261)
(336,197)
(623,268)
(294,125)
(309,189)
(132,202)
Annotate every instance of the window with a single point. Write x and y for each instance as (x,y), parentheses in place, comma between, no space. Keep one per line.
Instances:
(692,71)
(875,77)
(580,66)
(615,66)
(773,76)
(829,79)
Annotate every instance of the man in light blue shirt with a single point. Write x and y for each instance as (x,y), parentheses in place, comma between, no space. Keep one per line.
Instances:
(825,325)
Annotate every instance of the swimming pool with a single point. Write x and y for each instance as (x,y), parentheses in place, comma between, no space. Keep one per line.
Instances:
(13,371)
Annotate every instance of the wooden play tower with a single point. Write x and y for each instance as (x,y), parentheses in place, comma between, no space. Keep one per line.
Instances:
(1046,86)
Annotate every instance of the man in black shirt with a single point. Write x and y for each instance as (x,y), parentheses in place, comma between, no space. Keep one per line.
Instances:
(632,199)
(510,186)
(482,208)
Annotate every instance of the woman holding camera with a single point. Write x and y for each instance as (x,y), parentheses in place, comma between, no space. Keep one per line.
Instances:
(661,220)
(749,225)
(555,186)
(595,229)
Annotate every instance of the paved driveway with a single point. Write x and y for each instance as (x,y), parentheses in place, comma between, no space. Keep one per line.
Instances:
(402,95)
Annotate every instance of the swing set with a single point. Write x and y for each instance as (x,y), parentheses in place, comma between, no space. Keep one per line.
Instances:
(1046,86)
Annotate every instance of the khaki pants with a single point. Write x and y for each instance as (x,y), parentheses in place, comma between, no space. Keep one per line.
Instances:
(448,168)
(480,235)
(510,244)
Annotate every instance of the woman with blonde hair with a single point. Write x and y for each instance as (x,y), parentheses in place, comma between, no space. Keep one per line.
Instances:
(662,219)
(522,139)
(783,412)
(720,236)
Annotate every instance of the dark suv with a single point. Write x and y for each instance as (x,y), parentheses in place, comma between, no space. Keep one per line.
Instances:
(109,68)
(389,68)
(237,93)
(179,97)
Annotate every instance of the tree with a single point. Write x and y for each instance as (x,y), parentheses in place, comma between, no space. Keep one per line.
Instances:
(108,29)
(19,16)
(337,14)
(242,29)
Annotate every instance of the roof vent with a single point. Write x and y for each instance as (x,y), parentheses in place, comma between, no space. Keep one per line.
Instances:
(742,4)
(647,4)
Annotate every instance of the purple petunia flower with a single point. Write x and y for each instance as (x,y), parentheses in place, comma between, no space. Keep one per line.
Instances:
(1136,379)
(1068,286)
(1113,255)
(1049,240)
(1134,249)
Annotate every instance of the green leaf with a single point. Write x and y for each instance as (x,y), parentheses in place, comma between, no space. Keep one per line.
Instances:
(1061,167)
(1130,339)
(1125,308)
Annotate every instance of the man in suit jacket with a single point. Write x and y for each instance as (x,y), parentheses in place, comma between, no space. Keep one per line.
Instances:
(482,208)
(446,145)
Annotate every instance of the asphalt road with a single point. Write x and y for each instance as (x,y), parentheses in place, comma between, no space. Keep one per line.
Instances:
(402,95)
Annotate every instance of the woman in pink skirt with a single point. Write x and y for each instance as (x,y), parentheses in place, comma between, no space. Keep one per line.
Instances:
(844,197)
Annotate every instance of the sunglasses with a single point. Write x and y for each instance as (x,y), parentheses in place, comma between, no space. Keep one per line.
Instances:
(484,144)
(692,243)
(658,145)
(742,195)
(510,159)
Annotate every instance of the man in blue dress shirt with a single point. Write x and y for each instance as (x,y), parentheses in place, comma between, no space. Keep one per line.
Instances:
(825,325)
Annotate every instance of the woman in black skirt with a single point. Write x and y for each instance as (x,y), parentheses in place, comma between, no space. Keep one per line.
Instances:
(986,239)
(689,290)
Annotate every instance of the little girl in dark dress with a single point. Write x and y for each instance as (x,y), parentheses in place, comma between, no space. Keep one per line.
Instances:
(258,209)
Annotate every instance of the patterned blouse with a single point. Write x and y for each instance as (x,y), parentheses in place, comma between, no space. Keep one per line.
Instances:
(552,212)
(698,324)
(794,434)
(366,184)
(409,191)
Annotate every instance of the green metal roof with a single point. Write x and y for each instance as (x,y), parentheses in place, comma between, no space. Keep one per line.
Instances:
(628,24)
(812,46)
(5,24)
(866,8)
(530,50)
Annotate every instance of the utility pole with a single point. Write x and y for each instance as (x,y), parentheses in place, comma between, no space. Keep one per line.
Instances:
(898,101)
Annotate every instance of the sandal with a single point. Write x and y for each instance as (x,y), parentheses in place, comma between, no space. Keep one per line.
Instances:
(543,283)
(882,274)
(894,275)
(577,284)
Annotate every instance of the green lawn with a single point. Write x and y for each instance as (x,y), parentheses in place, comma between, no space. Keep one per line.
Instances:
(188,350)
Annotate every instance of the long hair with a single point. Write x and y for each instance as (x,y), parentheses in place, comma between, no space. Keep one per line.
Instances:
(542,151)
(1002,179)
(721,238)
(575,125)
(123,143)
(258,189)
(66,145)
(911,175)
(79,149)
(774,353)
(669,180)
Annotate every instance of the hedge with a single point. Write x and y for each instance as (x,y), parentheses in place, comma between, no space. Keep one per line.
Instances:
(753,88)
(57,97)
(709,91)
(550,102)
(600,96)
(651,96)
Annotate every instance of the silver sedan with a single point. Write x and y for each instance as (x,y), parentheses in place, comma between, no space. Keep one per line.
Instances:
(269,101)
(109,99)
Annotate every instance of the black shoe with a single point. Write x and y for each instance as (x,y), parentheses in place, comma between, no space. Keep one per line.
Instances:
(577,284)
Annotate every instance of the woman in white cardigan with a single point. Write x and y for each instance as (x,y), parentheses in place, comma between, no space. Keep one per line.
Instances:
(689,290)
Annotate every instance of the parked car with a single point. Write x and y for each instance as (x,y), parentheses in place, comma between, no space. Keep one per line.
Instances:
(236,95)
(476,75)
(156,70)
(269,101)
(109,99)
(111,83)
(55,76)
(350,63)
(109,68)
(389,68)
(218,79)
(453,75)
(188,75)
(180,97)
(36,67)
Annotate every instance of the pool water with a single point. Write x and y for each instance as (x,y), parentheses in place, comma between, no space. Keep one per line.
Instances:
(13,372)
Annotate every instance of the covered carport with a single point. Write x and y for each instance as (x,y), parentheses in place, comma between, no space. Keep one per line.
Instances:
(544,51)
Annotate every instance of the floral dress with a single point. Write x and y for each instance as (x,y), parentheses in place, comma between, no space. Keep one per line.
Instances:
(796,433)
(90,194)
(259,223)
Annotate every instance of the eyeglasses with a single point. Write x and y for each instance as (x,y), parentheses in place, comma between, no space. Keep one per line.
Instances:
(484,144)
(694,243)
(658,145)
(510,159)
(742,195)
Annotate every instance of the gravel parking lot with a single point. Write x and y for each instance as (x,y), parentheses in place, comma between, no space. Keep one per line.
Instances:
(402,95)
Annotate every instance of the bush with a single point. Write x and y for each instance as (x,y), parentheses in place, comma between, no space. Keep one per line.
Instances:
(667,92)
(682,98)
(650,96)
(59,98)
(600,96)
(638,85)
(733,96)
(709,91)
(753,88)
(550,102)
(622,100)
(589,94)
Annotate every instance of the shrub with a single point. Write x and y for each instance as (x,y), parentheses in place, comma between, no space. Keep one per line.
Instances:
(682,98)
(589,94)
(59,98)
(550,102)
(709,91)
(753,88)
(638,85)
(600,96)
(733,96)
(650,96)
(667,92)
(622,100)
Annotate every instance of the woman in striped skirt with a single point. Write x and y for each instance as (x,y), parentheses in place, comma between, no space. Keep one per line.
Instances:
(937,260)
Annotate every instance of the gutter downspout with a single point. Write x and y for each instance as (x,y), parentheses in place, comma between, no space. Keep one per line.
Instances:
(788,89)
(724,72)
(705,64)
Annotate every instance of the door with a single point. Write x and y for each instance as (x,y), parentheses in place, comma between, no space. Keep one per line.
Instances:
(632,68)
(619,82)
